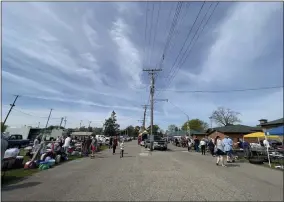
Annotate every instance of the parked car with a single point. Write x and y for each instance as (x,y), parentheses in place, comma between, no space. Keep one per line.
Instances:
(17,141)
(159,143)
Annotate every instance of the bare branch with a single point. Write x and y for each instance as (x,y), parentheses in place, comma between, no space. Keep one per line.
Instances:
(225,117)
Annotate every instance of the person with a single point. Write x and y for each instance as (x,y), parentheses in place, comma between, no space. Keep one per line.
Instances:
(211,147)
(121,148)
(228,148)
(114,145)
(67,142)
(266,143)
(196,144)
(246,148)
(110,142)
(93,147)
(203,146)
(189,144)
(219,148)
(88,144)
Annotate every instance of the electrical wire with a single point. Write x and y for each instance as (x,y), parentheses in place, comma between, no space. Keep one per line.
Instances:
(222,91)
(173,76)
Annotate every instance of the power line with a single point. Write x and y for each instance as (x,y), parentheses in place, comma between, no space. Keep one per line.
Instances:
(189,47)
(221,91)
(28,114)
(187,37)
(178,67)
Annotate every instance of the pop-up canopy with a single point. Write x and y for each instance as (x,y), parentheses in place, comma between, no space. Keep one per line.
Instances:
(275,131)
(259,135)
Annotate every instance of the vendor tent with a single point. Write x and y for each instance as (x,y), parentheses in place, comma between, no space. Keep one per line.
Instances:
(275,131)
(259,135)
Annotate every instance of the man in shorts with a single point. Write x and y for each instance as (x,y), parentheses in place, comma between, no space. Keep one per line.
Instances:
(228,148)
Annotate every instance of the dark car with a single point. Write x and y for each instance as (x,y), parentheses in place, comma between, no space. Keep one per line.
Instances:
(17,141)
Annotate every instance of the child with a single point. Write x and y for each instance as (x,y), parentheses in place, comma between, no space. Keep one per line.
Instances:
(121,148)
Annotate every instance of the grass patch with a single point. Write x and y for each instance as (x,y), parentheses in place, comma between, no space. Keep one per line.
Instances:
(15,175)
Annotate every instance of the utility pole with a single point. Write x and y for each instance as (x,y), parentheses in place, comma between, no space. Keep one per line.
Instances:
(144,117)
(12,105)
(48,118)
(38,124)
(61,122)
(80,123)
(152,73)
(65,122)
(90,123)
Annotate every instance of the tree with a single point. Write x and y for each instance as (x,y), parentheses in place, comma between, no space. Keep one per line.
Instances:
(111,128)
(156,129)
(195,124)
(224,117)
(98,131)
(51,127)
(172,128)
(3,127)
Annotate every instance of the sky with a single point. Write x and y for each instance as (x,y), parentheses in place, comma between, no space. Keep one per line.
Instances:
(86,59)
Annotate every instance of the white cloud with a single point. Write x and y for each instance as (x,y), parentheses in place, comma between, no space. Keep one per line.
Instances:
(129,57)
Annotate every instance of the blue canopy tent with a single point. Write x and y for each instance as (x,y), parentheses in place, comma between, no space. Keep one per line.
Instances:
(276,131)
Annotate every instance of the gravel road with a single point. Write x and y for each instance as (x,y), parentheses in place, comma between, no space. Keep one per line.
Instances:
(174,175)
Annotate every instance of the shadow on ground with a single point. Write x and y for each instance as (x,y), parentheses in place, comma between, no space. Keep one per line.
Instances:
(19,186)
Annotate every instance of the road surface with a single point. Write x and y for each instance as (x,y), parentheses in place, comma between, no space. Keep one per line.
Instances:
(175,175)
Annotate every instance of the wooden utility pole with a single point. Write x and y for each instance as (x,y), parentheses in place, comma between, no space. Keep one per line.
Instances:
(152,73)
(61,121)
(144,117)
(12,105)
(65,122)
(48,118)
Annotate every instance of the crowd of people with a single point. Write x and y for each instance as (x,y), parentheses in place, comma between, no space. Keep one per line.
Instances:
(218,148)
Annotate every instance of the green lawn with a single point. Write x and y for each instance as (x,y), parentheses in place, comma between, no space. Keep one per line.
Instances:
(15,175)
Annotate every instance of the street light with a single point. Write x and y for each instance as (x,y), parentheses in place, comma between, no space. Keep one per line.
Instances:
(188,128)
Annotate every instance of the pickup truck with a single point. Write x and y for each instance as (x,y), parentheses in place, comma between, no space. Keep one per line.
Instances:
(17,141)
(159,143)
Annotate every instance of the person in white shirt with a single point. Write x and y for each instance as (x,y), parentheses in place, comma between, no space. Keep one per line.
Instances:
(219,148)
(203,146)
(121,145)
(67,142)
(266,143)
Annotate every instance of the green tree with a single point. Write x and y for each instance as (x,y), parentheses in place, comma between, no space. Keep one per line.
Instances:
(195,124)
(172,128)
(224,117)
(98,131)
(156,129)
(111,128)
(3,127)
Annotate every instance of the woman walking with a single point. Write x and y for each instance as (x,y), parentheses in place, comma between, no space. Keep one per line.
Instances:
(219,148)
(202,146)
(114,145)
(211,147)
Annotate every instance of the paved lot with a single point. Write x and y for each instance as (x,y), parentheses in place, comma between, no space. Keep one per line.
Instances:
(162,176)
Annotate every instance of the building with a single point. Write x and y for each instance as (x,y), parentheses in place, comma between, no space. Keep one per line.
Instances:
(198,134)
(264,124)
(233,131)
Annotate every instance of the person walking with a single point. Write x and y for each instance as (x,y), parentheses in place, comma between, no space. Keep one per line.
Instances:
(196,144)
(189,144)
(203,146)
(93,147)
(211,147)
(110,142)
(121,148)
(228,148)
(114,145)
(219,148)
